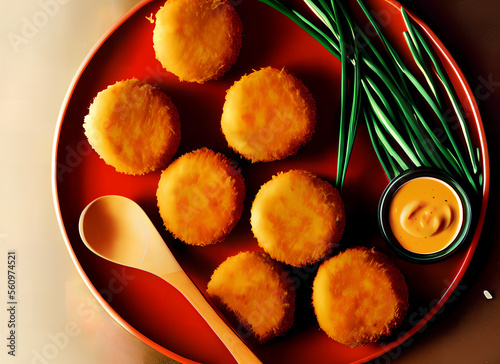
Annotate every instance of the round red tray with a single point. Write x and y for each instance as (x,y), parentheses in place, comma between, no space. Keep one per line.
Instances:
(148,307)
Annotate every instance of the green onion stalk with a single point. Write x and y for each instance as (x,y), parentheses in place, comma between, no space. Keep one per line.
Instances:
(401,110)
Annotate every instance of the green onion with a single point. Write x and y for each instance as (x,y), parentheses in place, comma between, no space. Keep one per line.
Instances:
(400,112)
(348,116)
(389,126)
(419,60)
(382,153)
(449,91)
(307,25)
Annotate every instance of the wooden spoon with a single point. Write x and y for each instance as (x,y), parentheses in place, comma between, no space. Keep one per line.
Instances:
(118,229)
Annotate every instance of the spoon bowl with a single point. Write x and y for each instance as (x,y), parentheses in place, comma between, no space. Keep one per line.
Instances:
(117,229)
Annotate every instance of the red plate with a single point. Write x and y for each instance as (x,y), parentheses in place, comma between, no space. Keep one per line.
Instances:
(149,308)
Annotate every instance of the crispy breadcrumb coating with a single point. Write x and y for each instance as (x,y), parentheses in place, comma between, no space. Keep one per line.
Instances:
(359,296)
(197,40)
(200,197)
(255,293)
(268,115)
(133,126)
(297,217)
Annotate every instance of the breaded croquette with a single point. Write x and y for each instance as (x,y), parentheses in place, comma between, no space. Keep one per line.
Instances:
(200,197)
(197,40)
(134,127)
(359,296)
(268,115)
(297,217)
(255,293)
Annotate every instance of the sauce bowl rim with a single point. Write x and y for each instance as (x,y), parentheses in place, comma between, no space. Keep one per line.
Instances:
(383,215)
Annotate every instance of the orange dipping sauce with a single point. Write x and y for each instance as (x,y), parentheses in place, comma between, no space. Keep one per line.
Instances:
(425,215)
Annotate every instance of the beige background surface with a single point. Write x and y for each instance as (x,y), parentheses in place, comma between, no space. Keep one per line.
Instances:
(42,44)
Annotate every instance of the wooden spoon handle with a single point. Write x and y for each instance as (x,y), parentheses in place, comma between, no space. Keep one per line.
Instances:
(231,340)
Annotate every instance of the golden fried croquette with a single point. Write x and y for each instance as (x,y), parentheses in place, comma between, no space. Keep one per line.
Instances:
(197,40)
(133,126)
(268,115)
(297,217)
(255,293)
(200,197)
(359,296)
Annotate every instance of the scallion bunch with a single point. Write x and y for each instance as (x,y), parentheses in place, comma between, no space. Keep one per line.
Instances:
(403,111)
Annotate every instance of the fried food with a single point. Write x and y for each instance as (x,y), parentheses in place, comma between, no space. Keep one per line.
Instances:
(197,40)
(255,293)
(268,115)
(297,217)
(359,296)
(133,126)
(200,197)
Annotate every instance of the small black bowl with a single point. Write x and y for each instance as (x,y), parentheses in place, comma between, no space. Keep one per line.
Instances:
(383,215)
